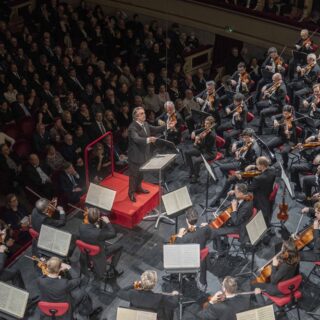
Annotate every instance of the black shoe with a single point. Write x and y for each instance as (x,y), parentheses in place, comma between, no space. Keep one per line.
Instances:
(142,191)
(132,197)
(95,312)
(194,179)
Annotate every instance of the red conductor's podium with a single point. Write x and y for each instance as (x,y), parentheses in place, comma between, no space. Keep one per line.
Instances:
(124,212)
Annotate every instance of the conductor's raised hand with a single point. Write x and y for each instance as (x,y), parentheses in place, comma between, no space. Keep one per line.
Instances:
(152,139)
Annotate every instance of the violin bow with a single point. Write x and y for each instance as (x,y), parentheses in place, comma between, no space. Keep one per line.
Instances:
(74,207)
(225,199)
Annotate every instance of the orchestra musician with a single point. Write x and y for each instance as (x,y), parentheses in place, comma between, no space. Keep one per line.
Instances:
(285,265)
(225,304)
(307,76)
(304,45)
(274,98)
(173,121)
(311,107)
(140,135)
(54,288)
(237,119)
(241,80)
(97,234)
(141,296)
(193,234)
(261,186)
(241,212)
(287,135)
(314,253)
(209,102)
(45,213)
(272,64)
(205,144)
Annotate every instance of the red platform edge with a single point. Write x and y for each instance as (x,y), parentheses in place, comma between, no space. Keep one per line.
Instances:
(124,212)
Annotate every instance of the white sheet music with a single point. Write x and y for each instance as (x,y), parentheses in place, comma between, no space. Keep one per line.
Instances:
(158,162)
(181,256)
(256,227)
(177,200)
(209,169)
(100,197)
(13,301)
(131,314)
(54,240)
(264,313)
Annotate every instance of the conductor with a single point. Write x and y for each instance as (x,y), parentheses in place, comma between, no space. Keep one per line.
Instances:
(140,137)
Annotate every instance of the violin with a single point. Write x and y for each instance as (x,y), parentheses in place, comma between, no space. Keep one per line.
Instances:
(137,285)
(86,216)
(271,90)
(199,138)
(243,149)
(307,145)
(224,216)
(52,206)
(172,121)
(283,208)
(250,174)
(41,264)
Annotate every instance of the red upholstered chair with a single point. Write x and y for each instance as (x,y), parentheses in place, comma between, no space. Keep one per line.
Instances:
(11,130)
(290,293)
(273,194)
(27,127)
(53,309)
(22,148)
(250,117)
(220,142)
(287,99)
(204,253)
(33,233)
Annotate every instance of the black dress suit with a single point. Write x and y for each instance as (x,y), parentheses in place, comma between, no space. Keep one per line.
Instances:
(225,310)
(139,151)
(95,131)
(38,219)
(261,187)
(60,290)
(236,224)
(67,184)
(163,305)
(89,233)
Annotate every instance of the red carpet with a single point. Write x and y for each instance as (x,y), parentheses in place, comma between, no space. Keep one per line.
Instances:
(127,213)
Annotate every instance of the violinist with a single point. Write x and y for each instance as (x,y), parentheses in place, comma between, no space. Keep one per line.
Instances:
(54,288)
(310,159)
(285,265)
(287,135)
(173,121)
(272,64)
(142,296)
(314,253)
(237,119)
(303,46)
(261,186)
(241,80)
(205,144)
(209,102)
(274,98)
(45,213)
(225,304)
(245,152)
(307,76)
(311,107)
(92,233)
(193,234)
(241,212)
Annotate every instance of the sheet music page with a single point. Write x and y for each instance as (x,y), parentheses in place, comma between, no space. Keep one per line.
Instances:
(54,240)
(256,227)
(208,167)
(264,313)
(13,301)
(158,162)
(131,314)
(61,242)
(181,256)
(177,200)
(100,197)
(46,238)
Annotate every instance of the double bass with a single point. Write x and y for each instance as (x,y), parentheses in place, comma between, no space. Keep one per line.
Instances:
(283,208)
